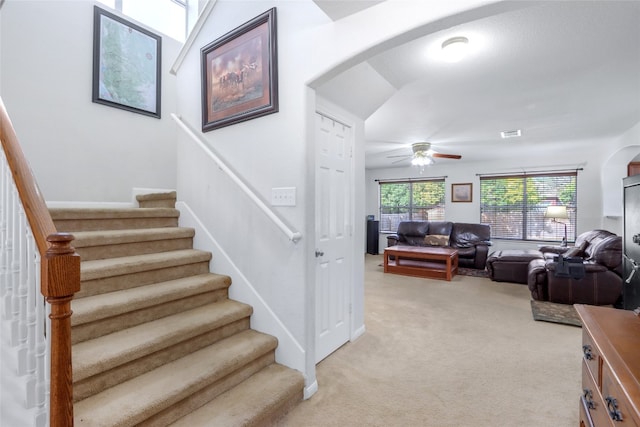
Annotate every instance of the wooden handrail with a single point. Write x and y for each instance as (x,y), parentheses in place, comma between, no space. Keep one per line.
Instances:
(34,204)
(60,273)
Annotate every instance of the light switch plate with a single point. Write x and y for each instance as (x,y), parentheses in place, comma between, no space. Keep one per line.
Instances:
(283,196)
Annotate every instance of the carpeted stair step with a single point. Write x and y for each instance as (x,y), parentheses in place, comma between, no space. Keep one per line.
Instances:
(260,400)
(103,314)
(91,219)
(92,245)
(169,392)
(155,336)
(157,200)
(108,275)
(108,360)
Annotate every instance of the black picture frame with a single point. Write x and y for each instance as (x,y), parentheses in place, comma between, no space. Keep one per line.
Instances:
(126,64)
(240,74)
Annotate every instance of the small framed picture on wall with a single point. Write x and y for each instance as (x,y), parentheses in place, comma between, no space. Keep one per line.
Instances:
(462,192)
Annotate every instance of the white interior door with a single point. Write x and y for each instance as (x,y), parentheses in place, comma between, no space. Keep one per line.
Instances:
(333,234)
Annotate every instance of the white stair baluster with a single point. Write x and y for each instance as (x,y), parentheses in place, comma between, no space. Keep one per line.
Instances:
(24,321)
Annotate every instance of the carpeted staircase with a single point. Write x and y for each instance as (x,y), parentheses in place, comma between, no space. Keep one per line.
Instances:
(156,340)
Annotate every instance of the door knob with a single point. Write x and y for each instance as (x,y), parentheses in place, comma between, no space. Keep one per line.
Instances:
(319,253)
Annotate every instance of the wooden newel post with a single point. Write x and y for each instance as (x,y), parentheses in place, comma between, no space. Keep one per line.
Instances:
(60,281)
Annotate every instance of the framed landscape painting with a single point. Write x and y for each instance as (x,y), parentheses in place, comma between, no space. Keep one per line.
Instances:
(461,192)
(126,64)
(240,74)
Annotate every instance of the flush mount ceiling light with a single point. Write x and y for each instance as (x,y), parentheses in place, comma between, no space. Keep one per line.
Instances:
(454,49)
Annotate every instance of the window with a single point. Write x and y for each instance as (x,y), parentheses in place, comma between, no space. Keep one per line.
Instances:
(166,16)
(410,200)
(514,205)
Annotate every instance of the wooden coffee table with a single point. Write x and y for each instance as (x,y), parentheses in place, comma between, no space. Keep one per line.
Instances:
(434,262)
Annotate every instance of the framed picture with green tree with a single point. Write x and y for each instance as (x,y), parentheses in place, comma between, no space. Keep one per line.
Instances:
(126,64)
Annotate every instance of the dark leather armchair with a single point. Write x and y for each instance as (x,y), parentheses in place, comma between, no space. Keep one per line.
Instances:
(598,281)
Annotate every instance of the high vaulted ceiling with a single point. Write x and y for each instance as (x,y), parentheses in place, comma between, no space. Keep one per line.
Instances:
(557,70)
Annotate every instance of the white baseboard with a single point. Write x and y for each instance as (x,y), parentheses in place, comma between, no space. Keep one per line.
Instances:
(310,390)
(358,333)
(289,351)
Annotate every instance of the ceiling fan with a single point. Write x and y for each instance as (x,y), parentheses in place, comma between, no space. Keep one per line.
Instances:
(423,155)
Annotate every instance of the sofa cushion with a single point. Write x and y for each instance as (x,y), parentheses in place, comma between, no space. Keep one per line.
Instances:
(413,232)
(467,252)
(588,239)
(608,252)
(440,227)
(436,240)
(464,235)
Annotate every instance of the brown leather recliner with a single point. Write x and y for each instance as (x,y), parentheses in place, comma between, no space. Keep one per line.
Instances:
(596,280)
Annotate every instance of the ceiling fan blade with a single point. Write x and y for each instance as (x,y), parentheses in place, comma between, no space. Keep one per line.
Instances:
(403,155)
(401,160)
(446,156)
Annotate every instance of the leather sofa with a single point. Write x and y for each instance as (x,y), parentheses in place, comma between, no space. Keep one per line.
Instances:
(594,275)
(471,240)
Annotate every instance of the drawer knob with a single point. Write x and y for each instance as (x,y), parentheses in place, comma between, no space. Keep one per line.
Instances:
(588,397)
(612,407)
(586,349)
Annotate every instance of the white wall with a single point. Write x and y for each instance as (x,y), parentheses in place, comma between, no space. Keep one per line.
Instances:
(277,150)
(267,152)
(78,150)
(624,149)
(590,157)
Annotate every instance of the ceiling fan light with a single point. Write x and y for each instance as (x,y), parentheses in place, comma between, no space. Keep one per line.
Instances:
(421,160)
(454,49)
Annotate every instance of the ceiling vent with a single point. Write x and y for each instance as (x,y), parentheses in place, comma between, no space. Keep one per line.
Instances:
(511,133)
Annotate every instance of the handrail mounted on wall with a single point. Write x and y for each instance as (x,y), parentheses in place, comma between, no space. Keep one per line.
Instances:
(294,236)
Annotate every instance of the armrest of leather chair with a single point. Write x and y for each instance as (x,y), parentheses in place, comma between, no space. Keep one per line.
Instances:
(554,249)
(589,267)
(537,280)
(392,240)
(482,253)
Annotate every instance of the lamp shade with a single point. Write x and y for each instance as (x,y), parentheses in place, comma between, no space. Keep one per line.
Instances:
(556,212)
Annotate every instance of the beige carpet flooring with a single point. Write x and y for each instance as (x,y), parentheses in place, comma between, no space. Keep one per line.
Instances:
(437,353)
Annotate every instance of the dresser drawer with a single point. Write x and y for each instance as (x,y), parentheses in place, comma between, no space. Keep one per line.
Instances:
(593,401)
(591,357)
(615,400)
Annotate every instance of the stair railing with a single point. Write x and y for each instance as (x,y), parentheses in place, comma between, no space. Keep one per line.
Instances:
(294,236)
(37,264)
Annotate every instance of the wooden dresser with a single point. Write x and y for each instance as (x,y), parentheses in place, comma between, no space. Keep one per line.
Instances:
(610,367)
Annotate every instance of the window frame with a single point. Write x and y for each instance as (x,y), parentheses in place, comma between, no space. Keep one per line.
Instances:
(187,5)
(411,208)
